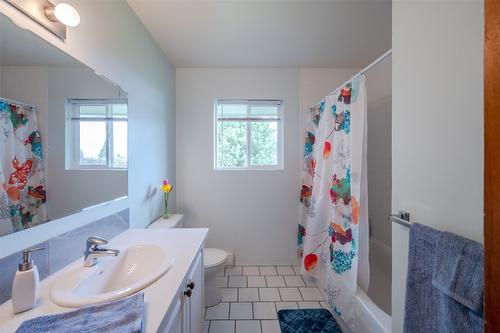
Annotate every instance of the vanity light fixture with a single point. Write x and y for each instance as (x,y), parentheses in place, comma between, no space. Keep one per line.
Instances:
(64,13)
(54,18)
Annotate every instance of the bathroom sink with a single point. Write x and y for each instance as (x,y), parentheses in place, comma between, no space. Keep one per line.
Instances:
(135,268)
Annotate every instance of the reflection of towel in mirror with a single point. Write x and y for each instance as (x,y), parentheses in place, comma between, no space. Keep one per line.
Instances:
(125,315)
(444,285)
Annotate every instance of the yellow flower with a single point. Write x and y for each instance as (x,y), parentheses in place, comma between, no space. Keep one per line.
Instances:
(166,187)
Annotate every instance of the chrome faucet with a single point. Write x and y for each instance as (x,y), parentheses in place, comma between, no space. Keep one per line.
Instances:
(94,251)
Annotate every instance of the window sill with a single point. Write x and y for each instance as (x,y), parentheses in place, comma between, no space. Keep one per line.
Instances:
(97,169)
(250,169)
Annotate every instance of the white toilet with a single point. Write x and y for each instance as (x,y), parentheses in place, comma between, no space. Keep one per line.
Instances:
(214,260)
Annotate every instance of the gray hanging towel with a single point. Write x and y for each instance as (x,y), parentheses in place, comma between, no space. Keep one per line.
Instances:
(428,308)
(421,296)
(458,275)
(122,316)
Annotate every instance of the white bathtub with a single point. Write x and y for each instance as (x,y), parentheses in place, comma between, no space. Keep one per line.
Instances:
(370,318)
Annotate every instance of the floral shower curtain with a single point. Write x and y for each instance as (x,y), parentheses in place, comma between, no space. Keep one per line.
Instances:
(22,195)
(333,229)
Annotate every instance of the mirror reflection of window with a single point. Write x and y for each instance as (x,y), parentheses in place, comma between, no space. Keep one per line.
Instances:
(98,134)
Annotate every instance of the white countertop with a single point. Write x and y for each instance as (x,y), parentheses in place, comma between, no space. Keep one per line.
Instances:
(184,243)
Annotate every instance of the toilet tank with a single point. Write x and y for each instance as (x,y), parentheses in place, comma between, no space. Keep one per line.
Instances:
(173,221)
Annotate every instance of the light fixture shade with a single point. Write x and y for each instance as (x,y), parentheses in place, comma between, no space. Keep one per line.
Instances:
(67,14)
(42,12)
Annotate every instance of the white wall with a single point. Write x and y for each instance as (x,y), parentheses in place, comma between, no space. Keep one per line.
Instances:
(251,213)
(114,42)
(437,166)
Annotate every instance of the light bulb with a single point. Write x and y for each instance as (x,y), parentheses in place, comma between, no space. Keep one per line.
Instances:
(64,13)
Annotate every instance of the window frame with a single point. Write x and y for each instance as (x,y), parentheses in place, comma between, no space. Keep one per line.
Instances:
(279,103)
(75,119)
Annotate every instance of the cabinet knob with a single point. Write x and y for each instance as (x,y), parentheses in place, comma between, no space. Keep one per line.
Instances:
(191,285)
(188,292)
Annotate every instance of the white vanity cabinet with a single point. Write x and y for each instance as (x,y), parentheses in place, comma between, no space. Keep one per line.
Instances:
(185,314)
(172,303)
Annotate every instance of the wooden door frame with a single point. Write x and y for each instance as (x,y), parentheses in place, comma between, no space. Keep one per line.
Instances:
(492,166)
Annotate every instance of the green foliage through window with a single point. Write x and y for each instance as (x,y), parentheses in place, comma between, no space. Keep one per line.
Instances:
(232,144)
(264,143)
(248,136)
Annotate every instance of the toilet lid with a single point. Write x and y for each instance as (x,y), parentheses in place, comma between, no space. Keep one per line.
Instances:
(213,257)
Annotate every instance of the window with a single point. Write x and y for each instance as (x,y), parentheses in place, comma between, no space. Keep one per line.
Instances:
(97,134)
(248,134)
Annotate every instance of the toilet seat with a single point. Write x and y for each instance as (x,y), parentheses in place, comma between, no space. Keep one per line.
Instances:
(213,257)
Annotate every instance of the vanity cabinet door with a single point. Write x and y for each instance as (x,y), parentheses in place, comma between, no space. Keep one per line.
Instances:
(175,322)
(186,315)
(196,301)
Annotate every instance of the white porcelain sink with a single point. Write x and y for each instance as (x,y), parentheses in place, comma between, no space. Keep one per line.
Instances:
(135,268)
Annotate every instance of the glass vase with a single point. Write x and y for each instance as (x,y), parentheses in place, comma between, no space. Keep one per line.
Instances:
(165,206)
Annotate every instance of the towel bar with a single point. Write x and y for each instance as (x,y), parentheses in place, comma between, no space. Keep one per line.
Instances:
(397,218)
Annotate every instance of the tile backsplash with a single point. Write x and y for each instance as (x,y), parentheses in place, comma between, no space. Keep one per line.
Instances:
(61,250)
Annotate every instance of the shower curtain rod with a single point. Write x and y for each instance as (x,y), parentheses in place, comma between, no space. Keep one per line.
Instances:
(17,102)
(376,61)
(364,70)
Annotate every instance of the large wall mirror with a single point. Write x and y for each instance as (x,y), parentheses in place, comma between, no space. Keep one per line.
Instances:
(63,133)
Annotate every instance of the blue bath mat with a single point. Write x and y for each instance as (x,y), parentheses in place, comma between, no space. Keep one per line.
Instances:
(307,321)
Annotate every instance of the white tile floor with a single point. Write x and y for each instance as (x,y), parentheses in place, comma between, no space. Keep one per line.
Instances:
(253,295)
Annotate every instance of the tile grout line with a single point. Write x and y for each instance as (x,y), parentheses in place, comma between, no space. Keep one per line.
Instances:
(294,284)
(301,296)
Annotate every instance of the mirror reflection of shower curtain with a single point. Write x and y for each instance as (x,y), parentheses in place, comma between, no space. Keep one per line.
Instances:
(333,229)
(23,190)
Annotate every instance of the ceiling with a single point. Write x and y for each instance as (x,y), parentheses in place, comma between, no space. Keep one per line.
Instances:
(20,47)
(342,34)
